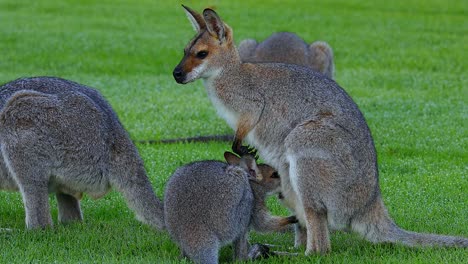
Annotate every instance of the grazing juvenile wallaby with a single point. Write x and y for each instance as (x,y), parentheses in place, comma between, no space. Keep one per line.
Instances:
(57,136)
(208,204)
(287,47)
(306,126)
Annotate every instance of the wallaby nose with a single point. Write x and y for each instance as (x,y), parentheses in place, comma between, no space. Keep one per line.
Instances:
(178,74)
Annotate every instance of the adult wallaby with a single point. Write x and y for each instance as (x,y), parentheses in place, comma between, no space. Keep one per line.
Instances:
(57,136)
(307,127)
(287,47)
(208,204)
(282,47)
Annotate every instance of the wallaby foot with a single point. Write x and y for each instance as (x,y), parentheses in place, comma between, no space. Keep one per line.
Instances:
(300,238)
(259,251)
(263,251)
(183,255)
(68,208)
(318,240)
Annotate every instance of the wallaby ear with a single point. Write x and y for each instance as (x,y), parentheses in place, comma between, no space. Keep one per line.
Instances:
(214,24)
(250,165)
(196,19)
(231,158)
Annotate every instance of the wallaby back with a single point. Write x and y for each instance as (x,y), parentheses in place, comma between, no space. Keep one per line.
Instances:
(287,47)
(62,137)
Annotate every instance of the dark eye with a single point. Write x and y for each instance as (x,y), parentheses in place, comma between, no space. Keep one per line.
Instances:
(202,54)
(275,175)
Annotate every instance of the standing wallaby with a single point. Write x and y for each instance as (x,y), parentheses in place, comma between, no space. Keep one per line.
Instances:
(208,204)
(306,126)
(57,136)
(286,47)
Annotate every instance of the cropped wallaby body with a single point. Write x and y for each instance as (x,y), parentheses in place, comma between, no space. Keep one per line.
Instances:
(57,136)
(306,126)
(209,204)
(287,47)
(282,47)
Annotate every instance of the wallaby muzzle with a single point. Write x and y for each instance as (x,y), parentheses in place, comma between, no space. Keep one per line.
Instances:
(179,74)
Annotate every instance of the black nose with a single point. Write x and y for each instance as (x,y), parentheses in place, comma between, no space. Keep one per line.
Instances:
(178,74)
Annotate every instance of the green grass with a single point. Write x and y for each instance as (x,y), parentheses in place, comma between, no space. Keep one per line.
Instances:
(404,63)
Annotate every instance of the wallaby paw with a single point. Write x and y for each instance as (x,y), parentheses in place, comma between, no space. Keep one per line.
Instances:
(280,196)
(263,251)
(259,251)
(248,150)
(292,219)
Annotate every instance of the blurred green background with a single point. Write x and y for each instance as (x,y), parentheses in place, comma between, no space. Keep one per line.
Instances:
(404,63)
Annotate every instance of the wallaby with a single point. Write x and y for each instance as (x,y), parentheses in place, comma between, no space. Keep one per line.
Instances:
(57,136)
(208,204)
(306,126)
(287,47)
(282,47)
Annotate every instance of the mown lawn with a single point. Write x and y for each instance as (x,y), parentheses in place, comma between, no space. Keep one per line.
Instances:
(404,63)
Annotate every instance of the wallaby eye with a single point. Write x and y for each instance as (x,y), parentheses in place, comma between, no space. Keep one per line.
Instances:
(275,175)
(202,54)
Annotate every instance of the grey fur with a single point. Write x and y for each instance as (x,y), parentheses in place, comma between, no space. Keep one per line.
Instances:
(307,127)
(57,136)
(287,47)
(209,204)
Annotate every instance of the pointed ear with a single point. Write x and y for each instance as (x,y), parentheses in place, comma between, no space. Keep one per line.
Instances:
(231,158)
(214,24)
(250,165)
(196,19)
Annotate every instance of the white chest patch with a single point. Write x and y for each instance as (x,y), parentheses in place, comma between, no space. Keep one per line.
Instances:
(224,112)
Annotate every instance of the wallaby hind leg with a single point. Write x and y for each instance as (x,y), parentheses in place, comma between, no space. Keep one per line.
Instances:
(33,185)
(318,240)
(288,198)
(307,175)
(300,235)
(36,205)
(241,247)
(68,208)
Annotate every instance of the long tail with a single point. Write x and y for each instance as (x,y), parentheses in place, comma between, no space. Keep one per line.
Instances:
(377,226)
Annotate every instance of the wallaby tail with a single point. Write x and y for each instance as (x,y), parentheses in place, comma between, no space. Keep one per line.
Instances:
(420,239)
(139,194)
(377,226)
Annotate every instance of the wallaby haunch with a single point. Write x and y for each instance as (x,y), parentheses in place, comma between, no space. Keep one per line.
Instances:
(287,47)
(208,204)
(57,136)
(306,126)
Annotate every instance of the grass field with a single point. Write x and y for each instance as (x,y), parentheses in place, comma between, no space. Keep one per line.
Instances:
(404,63)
